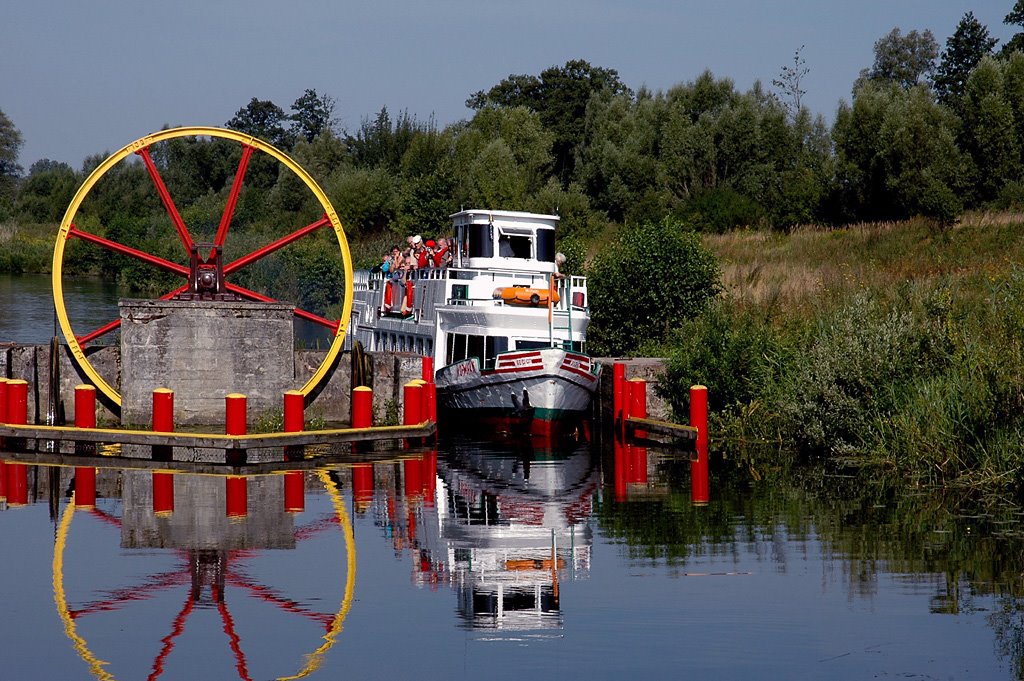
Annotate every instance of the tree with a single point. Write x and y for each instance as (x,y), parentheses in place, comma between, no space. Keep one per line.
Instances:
(263,119)
(790,83)
(988,133)
(650,279)
(1014,18)
(47,191)
(560,96)
(964,50)
(10,146)
(905,60)
(313,114)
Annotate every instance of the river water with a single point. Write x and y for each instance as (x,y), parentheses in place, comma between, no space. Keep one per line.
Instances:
(584,558)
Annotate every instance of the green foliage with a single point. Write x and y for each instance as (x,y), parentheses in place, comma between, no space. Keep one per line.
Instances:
(263,119)
(904,60)
(721,209)
(559,96)
(366,200)
(852,359)
(313,115)
(47,191)
(897,155)
(730,350)
(965,49)
(647,282)
(989,133)
(10,145)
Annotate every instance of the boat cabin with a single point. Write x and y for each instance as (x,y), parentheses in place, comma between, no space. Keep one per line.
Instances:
(505,240)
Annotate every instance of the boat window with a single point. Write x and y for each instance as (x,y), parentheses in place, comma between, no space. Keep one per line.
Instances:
(456,347)
(531,344)
(493,346)
(515,244)
(546,245)
(479,241)
(475,348)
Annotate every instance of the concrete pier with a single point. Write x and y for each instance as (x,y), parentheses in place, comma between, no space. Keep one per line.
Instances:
(332,401)
(204,350)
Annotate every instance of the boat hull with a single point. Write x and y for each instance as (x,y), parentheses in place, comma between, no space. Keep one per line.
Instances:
(534,388)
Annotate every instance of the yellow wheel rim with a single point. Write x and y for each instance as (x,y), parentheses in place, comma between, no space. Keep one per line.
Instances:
(143,143)
(312,661)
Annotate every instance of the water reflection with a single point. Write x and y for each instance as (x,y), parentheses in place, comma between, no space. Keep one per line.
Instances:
(599,554)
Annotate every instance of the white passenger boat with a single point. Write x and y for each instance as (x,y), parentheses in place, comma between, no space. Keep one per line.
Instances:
(506,333)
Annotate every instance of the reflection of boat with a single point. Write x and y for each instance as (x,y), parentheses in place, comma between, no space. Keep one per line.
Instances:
(512,523)
(507,336)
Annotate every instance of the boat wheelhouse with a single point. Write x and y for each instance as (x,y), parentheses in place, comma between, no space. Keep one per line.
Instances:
(506,332)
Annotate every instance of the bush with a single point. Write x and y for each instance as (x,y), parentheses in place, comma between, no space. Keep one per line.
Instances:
(730,351)
(647,283)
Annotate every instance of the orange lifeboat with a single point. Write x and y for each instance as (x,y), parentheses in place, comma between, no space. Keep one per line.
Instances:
(524,295)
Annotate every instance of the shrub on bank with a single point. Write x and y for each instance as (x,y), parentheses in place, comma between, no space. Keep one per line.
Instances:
(920,380)
(649,281)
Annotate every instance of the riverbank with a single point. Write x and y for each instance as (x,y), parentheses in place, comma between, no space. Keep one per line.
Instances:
(890,347)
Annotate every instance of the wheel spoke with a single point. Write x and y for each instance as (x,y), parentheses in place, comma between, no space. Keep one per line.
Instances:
(300,313)
(236,187)
(107,328)
(165,197)
(93,335)
(236,265)
(128,250)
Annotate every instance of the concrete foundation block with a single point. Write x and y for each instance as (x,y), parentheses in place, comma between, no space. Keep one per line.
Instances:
(204,351)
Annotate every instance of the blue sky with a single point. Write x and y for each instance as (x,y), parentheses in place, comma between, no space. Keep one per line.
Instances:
(80,78)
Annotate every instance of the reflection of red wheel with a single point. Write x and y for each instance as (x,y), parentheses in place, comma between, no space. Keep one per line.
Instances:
(141,147)
(184,574)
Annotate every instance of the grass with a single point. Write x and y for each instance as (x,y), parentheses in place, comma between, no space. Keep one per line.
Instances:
(894,347)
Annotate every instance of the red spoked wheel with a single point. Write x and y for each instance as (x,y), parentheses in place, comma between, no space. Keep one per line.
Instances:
(241,254)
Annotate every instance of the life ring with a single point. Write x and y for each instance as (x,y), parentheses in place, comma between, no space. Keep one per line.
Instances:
(525,295)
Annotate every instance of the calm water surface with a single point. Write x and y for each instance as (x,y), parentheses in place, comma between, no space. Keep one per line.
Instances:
(27,314)
(501,561)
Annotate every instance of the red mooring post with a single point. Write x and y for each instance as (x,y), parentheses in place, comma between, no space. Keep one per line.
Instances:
(428,369)
(16,474)
(3,400)
(412,403)
(236,486)
(85,417)
(294,492)
(618,392)
(237,491)
(294,411)
(362,407)
(294,422)
(3,420)
(362,485)
(235,414)
(17,484)
(699,487)
(163,422)
(163,410)
(294,481)
(621,468)
(636,397)
(412,406)
(17,402)
(428,477)
(163,493)
(85,406)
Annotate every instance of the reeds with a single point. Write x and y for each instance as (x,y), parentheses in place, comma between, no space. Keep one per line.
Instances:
(893,346)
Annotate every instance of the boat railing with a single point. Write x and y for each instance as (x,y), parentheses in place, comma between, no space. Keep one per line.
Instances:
(572,290)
